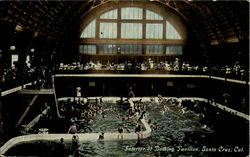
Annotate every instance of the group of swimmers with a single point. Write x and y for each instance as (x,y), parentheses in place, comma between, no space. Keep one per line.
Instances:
(172,102)
(137,112)
(184,107)
(138,131)
(84,115)
(77,113)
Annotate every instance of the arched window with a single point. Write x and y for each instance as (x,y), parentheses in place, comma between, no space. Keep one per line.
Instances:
(171,33)
(130,30)
(89,31)
(112,14)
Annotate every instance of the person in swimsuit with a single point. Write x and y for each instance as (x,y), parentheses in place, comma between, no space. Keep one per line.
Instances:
(75,145)
(72,129)
(138,130)
(131,92)
(101,136)
(120,131)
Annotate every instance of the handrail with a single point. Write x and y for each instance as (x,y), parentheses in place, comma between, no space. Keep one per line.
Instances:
(18,88)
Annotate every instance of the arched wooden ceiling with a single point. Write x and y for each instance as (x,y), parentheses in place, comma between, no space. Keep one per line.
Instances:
(213,22)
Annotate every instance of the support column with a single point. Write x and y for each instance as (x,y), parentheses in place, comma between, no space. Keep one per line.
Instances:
(1,105)
(23,48)
(1,120)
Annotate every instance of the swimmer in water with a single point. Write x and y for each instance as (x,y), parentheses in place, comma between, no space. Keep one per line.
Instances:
(183,110)
(204,126)
(160,99)
(117,115)
(75,145)
(72,129)
(101,136)
(165,108)
(120,131)
(179,105)
(154,126)
(138,130)
(104,115)
(91,120)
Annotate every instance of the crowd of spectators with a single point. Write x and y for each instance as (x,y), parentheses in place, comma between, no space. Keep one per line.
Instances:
(12,77)
(236,71)
(9,77)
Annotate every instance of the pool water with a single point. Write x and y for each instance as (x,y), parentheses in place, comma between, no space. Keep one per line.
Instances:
(115,115)
(172,128)
(195,132)
(185,129)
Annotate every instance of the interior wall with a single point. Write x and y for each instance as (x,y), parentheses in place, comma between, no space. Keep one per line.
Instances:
(171,87)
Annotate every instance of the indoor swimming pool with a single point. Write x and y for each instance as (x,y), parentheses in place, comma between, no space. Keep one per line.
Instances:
(179,128)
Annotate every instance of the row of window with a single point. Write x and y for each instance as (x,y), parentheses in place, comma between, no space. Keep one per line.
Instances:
(132,21)
(131,13)
(130,30)
(131,49)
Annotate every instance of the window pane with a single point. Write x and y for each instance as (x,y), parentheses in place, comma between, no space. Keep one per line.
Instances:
(87,49)
(107,48)
(108,30)
(89,31)
(171,32)
(154,49)
(174,49)
(112,14)
(131,30)
(131,13)
(154,30)
(131,49)
(150,15)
